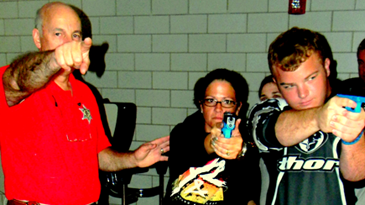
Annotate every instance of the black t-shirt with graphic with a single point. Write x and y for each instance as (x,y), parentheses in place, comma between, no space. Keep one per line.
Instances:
(200,178)
(307,173)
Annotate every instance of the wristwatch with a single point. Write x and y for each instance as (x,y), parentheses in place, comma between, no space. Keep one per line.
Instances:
(243,151)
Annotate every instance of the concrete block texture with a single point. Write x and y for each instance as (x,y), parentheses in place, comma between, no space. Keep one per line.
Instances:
(270,38)
(29,8)
(246,42)
(134,43)
(9,9)
(275,22)
(358,37)
(279,5)
(130,79)
(3,59)
(151,132)
(227,23)
(168,116)
(170,7)
(9,44)
(118,95)
(170,80)
(193,77)
(95,25)
(257,62)
(144,115)
(317,21)
(188,62)
(207,43)
(108,80)
(189,24)
(133,7)
(170,43)
(346,62)
(111,40)
(247,6)
(254,80)
(208,6)
(119,61)
(153,61)
(116,25)
(359,5)
(339,41)
(348,21)
(153,98)
(2,30)
(77,3)
(12,26)
(231,61)
(253,98)
(99,8)
(10,57)
(323,5)
(151,24)
(27,44)
(182,98)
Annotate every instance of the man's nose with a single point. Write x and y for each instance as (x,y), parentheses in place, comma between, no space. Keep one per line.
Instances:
(67,39)
(303,91)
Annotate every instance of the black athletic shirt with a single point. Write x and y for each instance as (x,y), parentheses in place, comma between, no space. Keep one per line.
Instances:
(307,173)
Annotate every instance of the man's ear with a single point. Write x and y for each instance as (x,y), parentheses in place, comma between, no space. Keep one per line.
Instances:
(37,38)
(326,65)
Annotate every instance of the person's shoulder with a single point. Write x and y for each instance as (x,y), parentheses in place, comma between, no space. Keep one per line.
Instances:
(274,104)
(351,86)
(191,122)
(193,119)
(352,81)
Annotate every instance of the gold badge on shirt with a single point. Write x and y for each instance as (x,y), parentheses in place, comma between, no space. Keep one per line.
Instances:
(86,113)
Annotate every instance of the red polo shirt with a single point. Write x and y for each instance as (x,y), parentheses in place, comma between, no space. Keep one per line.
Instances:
(49,145)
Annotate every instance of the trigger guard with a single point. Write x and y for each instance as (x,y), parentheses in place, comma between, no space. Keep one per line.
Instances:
(356,110)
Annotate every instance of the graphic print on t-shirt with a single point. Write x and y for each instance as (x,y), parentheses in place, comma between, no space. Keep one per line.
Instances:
(201,185)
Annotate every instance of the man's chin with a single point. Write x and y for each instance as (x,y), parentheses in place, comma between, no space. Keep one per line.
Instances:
(303,106)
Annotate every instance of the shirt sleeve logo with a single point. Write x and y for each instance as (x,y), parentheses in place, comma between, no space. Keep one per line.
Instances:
(312,143)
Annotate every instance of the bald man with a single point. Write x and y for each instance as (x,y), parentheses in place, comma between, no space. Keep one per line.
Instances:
(52,139)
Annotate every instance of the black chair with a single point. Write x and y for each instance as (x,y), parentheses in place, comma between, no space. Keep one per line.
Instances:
(121,123)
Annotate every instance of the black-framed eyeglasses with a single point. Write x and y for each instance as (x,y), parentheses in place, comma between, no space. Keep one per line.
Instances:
(212,102)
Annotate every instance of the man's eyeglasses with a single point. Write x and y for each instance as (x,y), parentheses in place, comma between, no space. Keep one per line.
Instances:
(211,102)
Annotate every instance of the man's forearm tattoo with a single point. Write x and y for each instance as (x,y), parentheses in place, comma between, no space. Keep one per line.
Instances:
(28,73)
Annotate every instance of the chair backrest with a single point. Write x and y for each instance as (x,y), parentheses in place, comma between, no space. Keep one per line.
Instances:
(121,118)
(121,123)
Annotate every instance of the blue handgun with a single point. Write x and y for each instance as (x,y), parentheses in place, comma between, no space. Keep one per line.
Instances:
(229,123)
(359,101)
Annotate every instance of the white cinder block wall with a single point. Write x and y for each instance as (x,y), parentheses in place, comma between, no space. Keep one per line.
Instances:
(159,48)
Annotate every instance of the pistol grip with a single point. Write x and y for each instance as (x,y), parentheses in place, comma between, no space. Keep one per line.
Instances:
(227,132)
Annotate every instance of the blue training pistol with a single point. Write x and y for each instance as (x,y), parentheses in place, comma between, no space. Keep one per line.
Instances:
(229,123)
(358,99)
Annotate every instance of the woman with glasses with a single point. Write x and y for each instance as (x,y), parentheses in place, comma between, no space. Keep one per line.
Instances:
(205,167)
